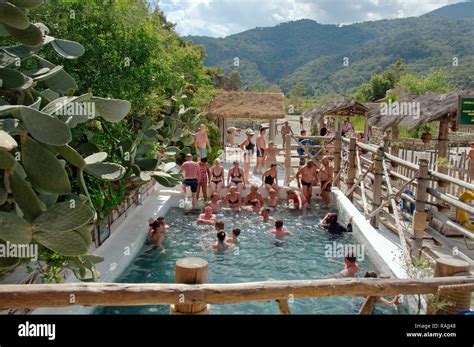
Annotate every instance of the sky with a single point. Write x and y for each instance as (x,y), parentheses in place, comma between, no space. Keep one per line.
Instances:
(220,18)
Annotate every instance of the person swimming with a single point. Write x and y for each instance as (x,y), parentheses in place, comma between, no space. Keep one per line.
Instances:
(215,203)
(273,198)
(255,206)
(329,223)
(235,234)
(220,245)
(265,215)
(156,234)
(295,200)
(279,232)
(351,268)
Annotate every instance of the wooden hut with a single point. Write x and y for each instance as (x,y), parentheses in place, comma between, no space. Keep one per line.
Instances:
(251,105)
(341,106)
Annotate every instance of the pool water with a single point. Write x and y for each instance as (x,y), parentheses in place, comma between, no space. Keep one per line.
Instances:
(257,258)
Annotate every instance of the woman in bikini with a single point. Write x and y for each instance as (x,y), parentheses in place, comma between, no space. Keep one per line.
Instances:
(270,178)
(249,148)
(203,178)
(233,198)
(235,177)
(217,177)
(271,154)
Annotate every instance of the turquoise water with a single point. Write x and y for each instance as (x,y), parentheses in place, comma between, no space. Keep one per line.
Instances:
(257,258)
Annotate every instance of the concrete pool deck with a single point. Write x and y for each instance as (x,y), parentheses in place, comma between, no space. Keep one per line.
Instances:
(126,241)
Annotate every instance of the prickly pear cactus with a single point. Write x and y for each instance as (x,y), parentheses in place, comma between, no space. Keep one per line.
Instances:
(40,170)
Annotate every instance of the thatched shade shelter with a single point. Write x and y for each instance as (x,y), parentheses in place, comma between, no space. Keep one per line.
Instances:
(338,107)
(253,105)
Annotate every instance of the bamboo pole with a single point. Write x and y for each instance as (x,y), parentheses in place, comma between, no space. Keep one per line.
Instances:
(377,196)
(337,159)
(287,159)
(126,294)
(362,185)
(401,234)
(352,166)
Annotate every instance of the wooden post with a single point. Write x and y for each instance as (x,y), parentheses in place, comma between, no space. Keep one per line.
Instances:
(283,306)
(377,195)
(337,158)
(190,271)
(368,305)
(443,146)
(287,159)
(271,131)
(352,167)
(420,215)
(395,139)
(456,300)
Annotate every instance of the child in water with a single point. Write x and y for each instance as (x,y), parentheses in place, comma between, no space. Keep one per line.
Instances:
(155,234)
(235,234)
(220,245)
(265,215)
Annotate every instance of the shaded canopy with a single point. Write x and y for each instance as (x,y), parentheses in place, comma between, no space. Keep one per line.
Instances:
(234,105)
(338,107)
(431,106)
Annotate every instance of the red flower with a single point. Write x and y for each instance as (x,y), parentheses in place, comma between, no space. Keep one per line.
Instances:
(107,198)
(105,187)
(135,130)
(100,207)
(99,216)
(108,212)
(116,186)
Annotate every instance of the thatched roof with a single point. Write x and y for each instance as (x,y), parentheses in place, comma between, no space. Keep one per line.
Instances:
(340,106)
(431,106)
(247,105)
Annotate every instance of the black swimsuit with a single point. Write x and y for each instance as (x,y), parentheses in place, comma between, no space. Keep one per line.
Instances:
(250,147)
(236,179)
(214,176)
(269,180)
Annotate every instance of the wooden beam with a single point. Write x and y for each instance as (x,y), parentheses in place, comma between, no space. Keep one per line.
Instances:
(377,197)
(352,166)
(368,305)
(337,158)
(127,294)
(287,159)
(283,306)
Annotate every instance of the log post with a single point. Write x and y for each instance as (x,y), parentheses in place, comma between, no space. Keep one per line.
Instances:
(287,159)
(283,306)
(455,300)
(377,195)
(443,148)
(190,271)
(395,148)
(337,158)
(368,305)
(420,216)
(352,166)
(271,131)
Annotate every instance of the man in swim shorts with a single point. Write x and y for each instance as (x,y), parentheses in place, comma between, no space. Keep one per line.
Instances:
(201,143)
(307,177)
(191,172)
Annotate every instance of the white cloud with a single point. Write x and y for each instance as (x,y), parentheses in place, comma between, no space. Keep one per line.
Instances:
(220,18)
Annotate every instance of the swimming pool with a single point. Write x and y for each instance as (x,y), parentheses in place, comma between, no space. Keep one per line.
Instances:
(257,258)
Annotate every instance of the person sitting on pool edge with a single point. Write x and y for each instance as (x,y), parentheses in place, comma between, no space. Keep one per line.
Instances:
(265,215)
(295,200)
(279,232)
(255,206)
(252,195)
(233,198)
(215,203)
(329,222)
(207,218)
(220,245)
(273,198)
(235,235)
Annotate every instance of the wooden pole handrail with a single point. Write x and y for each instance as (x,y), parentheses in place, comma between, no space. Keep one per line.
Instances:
(124,294)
